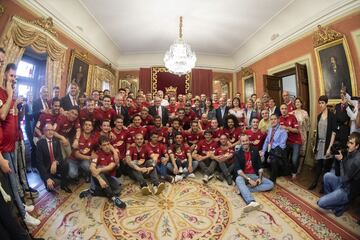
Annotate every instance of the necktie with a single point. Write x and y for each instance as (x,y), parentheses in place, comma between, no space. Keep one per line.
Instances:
(51,153)
(118,111)
(272,135)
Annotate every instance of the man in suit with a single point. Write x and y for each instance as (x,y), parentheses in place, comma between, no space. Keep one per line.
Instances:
(50,161)
(222,112)
(160,110)
(70,100)
(273,109)
(250,113)
(41,104)
(121,109)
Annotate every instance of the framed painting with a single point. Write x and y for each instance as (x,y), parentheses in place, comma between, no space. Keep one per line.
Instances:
(335,69)
(79,69)
(248,86)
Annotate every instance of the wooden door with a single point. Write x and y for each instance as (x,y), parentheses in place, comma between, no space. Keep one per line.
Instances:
(273,86)
(302,84)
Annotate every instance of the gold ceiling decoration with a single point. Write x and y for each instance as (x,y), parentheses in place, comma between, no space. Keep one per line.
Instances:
(109,67)
(325,35)
(246,71)
(45,23)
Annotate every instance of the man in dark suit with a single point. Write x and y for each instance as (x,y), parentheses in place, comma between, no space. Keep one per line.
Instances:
(162,111)
(50,161)
(70,100)
(222,112)
(41,104)
(121,109)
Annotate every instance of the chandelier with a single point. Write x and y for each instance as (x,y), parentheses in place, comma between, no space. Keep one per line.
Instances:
(179,59)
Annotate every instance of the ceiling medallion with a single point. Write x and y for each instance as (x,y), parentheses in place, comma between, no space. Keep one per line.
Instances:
(179,59)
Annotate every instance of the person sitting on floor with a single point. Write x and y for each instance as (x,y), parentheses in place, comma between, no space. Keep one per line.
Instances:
(343,185)
(141,167)
(182,163)
(50,161)
(224,155)
(203,152)
(103,168)
(249,174)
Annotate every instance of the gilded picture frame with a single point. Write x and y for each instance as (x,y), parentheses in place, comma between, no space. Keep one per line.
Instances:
(248,84)
(79,71)
(336,69)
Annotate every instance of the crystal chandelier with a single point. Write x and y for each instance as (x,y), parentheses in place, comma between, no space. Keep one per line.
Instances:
(179,59)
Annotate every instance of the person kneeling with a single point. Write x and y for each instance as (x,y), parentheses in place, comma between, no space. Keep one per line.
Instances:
(141,168)
(249,174)
(341,188)
(224,155)
(103,171)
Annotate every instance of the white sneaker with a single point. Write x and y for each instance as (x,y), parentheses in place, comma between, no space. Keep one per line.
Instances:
(181,170)
(251,207)
(178,178)
(191,175)
(29,208)
(205,178)
(31,220)
(210,177)
(185,170)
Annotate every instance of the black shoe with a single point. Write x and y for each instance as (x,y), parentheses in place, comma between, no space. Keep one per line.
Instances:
(119,203)
(312,186)
(66,189)
(31,192)
(87,179)
(85,193)
(169,179)
(220,177)
(229,180)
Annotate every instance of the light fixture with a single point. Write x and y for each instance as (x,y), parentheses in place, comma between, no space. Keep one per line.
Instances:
(179,59)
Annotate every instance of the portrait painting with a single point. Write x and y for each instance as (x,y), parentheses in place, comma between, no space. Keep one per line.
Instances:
(335,69)
(248,86)
(79,70)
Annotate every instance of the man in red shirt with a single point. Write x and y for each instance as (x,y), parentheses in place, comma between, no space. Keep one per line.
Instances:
(162,132)
(173,130)
(203,152)
(119,136)
(204,122)
(84,153)
(216,131)
(10,128)
(136,159)
(47,117)
(256,137)
(182,164)
(248,174)
(224,156)
(193,135)
(172,108)
(290,124)
(289,104)
(232,130)
(146,118)
(106,112)
(189,113)
(135,129)
(136,109)
(103,169)
(89,113)
(158,153)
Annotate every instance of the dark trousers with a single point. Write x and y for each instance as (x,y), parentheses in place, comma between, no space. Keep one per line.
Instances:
(322,166)
(140,177)
(208,166)
(112,189)
(278,168)
(226,168)
(61,175)
(10,227)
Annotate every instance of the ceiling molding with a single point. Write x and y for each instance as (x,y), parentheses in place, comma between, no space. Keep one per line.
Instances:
(302,30)
(41,9)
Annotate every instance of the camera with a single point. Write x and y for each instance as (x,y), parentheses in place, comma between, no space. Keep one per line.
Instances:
(336,147)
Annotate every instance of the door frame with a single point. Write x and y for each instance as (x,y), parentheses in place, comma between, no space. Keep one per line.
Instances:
(305,60)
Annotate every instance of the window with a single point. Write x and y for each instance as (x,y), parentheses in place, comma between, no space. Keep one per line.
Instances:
(105,85)
(25,69)
(289,84)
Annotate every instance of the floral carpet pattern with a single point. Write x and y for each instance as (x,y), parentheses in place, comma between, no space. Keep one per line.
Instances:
(191,210)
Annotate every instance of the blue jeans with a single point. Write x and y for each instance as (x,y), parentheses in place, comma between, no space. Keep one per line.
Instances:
(74,166)
(10,156)
(295,154)
(161,169)
(246,191)
(336,197)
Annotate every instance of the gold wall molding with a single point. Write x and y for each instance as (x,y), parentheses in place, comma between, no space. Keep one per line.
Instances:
(46,24)
(325,35)
(98,75)
(246,71)
(2,10)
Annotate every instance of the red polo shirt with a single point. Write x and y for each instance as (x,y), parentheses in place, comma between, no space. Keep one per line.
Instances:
(136,154)
(133,131)
(253,136)
(233,134)
(120,141)
(224,150)
(203,147)
(290,121)
(9,125)
(86,145)
(157,149)
(64,126)
(44,119)
(181,152)
(104,159)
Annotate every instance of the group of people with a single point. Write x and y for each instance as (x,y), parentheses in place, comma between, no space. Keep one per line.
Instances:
(166,138)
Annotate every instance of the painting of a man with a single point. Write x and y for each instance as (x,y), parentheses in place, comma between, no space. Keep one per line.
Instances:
(79,73)
(335,70)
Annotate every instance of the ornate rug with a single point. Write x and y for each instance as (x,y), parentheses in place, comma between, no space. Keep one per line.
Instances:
(191,210)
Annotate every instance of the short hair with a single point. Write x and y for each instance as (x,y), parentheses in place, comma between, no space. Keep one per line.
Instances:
(323,98)
(56,87)
(356,137)
(274,114)
(55,99)
(119,117)
(10,66)
(152,133)
(158,117)
(89,120)
(175,120)
(2,50)
(103,139)
(107,96)
(105,121)
(208,132)
(254,94)
(74,108)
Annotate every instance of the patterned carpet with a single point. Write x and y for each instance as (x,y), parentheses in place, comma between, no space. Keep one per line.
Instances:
(191,210)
